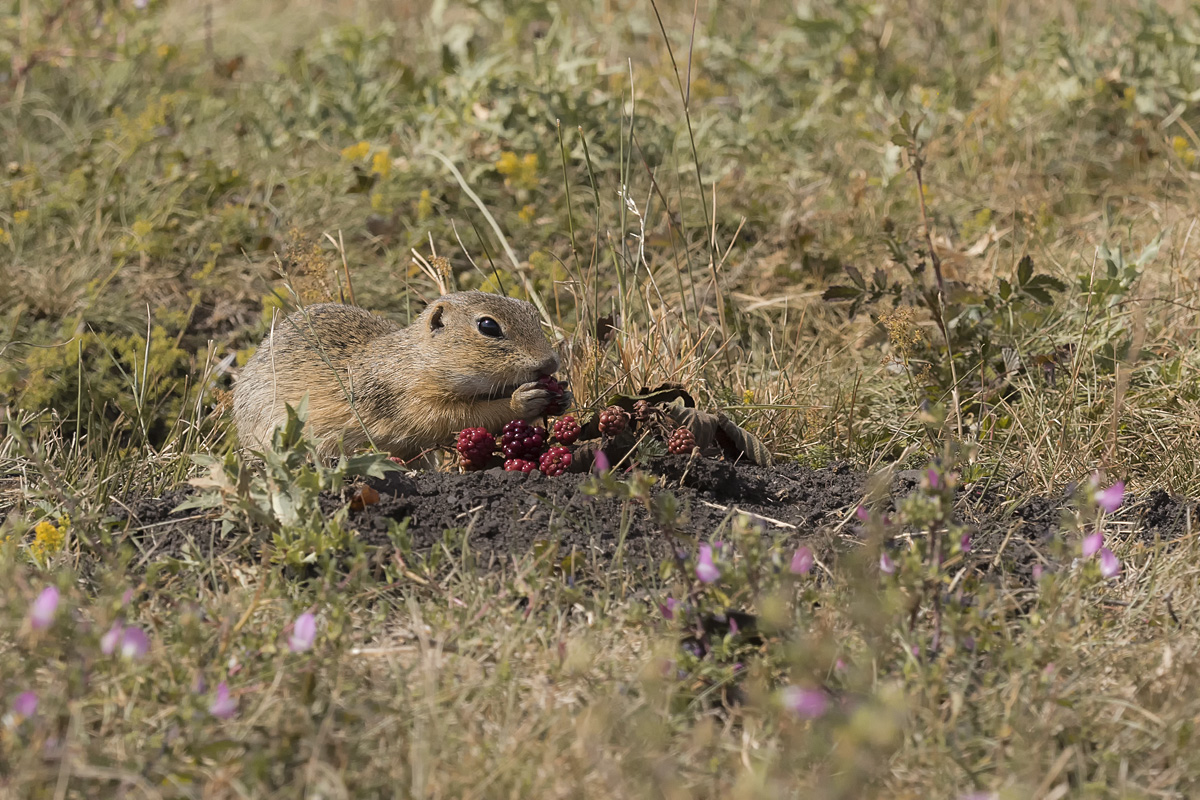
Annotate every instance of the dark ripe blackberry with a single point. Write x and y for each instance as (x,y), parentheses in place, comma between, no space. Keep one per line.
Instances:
(519,465)
(555,461)
(566,429)
(475,446)
(682,441)
(613,420)
(519,439)
(551,385)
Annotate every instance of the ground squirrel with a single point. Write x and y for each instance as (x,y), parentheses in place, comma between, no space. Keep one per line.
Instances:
(471,359)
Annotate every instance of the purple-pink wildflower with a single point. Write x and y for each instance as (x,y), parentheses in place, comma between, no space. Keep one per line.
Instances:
(304,633)
(43,608)
(802,561)
(223,706)
(1092,544)
(600,462)
(706,570)
(25,704)
(886,565)
(1110,565)
(807,703)
(667,607)
(134,643)
(964,543)
(1110,499)
(110,640)
(863,514)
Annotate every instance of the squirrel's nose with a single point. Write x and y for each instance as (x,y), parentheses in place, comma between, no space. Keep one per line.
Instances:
(549,366)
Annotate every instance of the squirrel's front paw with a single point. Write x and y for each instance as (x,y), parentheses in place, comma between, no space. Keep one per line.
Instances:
(531,400)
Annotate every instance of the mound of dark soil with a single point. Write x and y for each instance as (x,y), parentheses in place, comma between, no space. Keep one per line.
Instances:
(500,514)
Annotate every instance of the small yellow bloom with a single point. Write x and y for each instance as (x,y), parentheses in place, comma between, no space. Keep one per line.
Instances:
(48,539)
(356,152)
(1186,154)
(5,237)
(142,228)
(527,213)
(381,164)
(747,397)
(507,164)
(425,206)
(20,217)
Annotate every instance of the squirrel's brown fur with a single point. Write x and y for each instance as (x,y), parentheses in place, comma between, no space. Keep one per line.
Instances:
(370,381)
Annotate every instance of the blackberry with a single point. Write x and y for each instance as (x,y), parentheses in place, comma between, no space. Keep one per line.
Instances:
(519,465)
(519,439)
(613,420)
(555,461)
(475,446)
(682,441)
(551,385)
(566,429)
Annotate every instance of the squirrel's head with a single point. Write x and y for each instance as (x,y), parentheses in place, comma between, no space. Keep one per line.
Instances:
(487,345)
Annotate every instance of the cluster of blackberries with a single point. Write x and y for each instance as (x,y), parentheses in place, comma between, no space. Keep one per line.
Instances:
(614,420)
(523,446)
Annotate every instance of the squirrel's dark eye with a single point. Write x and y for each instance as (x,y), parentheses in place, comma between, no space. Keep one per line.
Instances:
(489,327)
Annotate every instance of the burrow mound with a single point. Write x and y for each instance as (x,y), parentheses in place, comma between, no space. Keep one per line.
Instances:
(501,514)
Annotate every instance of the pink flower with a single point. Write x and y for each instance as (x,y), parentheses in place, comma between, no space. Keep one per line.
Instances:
(934,479)
(1110,499)
(110,640)
(706,570)
(304,633)
(802,561)
(862,514)
(134,643)
(668,608)
(41,611)
(1092,544)
(1037,572)
(26,704)
(886,565)
(600,462)
(223,706)
(1110,565)
(733,626)
(964,544)
(807,703)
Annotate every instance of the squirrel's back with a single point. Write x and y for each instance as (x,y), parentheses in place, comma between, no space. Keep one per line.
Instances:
(371,381)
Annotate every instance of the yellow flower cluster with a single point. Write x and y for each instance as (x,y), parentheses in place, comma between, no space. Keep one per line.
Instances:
(521,173)
(48,539)
(1186,154)
(356,152)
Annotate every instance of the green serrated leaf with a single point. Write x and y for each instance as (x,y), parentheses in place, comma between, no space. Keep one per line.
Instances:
(841,293)
(1024,270)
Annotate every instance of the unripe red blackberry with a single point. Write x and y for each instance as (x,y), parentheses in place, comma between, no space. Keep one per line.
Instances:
(551,385)
(475,446)
(555,461)
(519,439)
(566,429)
(613,420)
(520,465)
(682,441)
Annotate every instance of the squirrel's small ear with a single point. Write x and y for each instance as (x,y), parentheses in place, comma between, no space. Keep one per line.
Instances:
(435,318)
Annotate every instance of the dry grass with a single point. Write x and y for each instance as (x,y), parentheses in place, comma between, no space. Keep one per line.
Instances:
(155,177)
